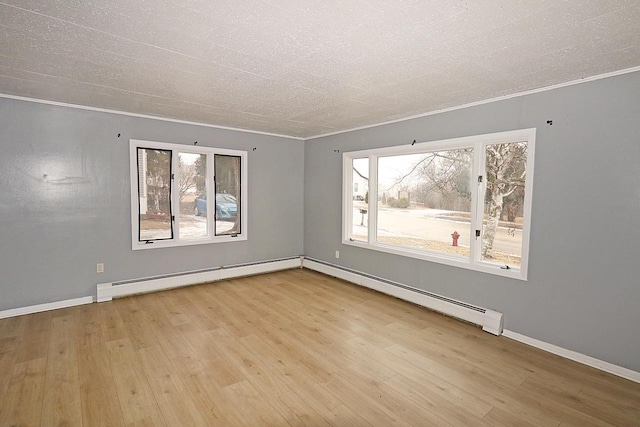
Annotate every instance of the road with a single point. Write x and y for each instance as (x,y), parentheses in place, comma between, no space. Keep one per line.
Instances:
(426,224)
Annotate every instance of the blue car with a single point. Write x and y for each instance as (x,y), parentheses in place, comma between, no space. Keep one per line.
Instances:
(226,206)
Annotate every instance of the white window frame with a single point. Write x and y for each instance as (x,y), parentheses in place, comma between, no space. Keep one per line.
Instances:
(478,143)
(134,144)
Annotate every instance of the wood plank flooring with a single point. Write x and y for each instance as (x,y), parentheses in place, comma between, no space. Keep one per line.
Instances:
(293,348)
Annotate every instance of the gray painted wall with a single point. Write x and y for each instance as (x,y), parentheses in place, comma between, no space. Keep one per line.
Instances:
(583,291)
(52,236)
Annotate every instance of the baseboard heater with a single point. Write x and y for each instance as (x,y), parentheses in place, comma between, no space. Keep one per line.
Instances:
(491,321)
(108,291)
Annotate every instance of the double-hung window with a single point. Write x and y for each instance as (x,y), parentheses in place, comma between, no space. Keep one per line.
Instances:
(186,195)
(464,202)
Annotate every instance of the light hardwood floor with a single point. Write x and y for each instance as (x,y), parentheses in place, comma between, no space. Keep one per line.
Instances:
(288,348)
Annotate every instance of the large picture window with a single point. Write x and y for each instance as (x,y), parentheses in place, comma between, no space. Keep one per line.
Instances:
(182,195)
(464,202)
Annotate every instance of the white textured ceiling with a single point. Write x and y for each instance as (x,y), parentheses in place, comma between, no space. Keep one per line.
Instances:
(305,67)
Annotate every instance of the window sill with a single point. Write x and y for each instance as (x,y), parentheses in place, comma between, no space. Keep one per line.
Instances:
(157,244)
(451,260)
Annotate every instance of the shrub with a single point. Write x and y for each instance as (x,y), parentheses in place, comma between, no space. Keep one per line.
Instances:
(402,202)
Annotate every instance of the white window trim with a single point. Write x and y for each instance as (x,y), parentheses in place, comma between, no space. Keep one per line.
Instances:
(477,142)
(134,144)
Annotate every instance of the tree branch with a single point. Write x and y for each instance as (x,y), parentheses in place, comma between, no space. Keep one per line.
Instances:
(358,172)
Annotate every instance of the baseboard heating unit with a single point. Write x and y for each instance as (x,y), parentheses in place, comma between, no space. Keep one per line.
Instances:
(491,321)
(108,291)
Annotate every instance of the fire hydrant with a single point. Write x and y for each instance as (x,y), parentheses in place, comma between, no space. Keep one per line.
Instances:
(455,236)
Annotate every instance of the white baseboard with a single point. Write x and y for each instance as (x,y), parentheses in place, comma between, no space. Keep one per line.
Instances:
(107,291)
(575,356)
(491,321)
(45,307)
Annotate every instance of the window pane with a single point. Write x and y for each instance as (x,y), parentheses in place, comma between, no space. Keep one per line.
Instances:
(154,192)
(424,199)
(360,200)
(227,203)
(192,187)
(504,203)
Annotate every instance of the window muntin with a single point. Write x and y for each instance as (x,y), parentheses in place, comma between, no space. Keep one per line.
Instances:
(429,192)
(170,178)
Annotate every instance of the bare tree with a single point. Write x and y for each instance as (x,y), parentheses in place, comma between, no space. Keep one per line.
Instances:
(158,178)
(506,171)
(188,179)
(360,174)
(228,182)
(446,174)
(442,175)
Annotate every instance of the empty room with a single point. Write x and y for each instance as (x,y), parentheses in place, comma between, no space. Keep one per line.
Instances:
(319,213)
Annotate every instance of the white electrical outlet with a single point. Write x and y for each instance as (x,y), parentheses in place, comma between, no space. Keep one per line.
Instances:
(100,267)
(337,254)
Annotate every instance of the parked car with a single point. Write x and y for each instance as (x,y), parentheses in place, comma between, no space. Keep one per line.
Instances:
(226,206)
